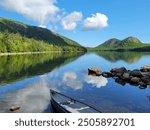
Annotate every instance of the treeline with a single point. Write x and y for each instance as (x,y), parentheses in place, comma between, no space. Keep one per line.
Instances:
(15,42)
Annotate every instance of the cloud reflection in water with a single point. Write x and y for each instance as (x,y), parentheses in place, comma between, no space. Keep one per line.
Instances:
(97,81)
(34,98)
(70,79)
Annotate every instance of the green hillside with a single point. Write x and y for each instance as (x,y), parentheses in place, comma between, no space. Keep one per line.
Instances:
(130,43)
(19,37)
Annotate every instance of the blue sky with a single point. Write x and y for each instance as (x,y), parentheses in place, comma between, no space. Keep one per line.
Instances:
(89,22)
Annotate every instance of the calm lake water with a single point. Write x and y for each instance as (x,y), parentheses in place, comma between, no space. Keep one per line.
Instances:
(25,80)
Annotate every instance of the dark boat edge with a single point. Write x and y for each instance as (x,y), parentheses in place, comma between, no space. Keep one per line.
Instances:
(60,108)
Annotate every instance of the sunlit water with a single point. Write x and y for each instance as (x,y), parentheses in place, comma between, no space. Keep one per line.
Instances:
(26,80)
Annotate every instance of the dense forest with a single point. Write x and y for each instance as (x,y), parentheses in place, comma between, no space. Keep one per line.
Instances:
(19,37)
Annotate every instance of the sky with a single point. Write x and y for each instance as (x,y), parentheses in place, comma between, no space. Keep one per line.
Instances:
(89,22)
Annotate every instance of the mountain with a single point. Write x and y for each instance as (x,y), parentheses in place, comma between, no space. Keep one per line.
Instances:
(36,35)
(130,43)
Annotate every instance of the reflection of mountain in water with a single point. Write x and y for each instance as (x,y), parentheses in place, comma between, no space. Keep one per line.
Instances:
(129,57)
(17,67)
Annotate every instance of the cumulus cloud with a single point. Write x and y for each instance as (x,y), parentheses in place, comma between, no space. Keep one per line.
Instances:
(70,80)
(95,22)
(41,11)
(70,21)
(96,81)
(48,15)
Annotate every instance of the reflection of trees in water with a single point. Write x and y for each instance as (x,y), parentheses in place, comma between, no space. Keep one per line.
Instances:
(21,66)
(129,57)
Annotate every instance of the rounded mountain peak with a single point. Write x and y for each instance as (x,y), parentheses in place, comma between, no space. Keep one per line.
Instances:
(112,41)
(132,39)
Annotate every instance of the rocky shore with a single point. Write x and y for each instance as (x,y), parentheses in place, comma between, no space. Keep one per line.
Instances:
(138,77)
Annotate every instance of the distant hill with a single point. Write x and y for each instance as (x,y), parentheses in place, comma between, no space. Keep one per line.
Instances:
(130,43)
(36,35)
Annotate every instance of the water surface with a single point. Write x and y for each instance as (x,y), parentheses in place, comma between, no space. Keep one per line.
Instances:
(25,80)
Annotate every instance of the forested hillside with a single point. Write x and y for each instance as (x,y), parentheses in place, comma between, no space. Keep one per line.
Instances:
(19,37)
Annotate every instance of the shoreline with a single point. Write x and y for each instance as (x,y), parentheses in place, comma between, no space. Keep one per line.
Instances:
(27,53)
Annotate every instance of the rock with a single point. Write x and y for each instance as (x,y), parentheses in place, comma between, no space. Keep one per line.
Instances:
(126,76)
(94,71)
(119,70)
(145,79)
(135,80)
(118,75)
(104,75)
(136,73)
(145,68)
(114,70)
(107,74)
(120,81)
(142,87)
(147,74)
(14,108)
(142,84)
(115,78)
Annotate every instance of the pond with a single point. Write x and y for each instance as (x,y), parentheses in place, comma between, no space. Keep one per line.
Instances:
(25,81)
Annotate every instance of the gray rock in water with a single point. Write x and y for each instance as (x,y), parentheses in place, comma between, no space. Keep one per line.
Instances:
(14,108)
(126,76)
(119,70)
(135,80)
(136,73)
(142,84)
(120,81)
(107,74)
(145,79)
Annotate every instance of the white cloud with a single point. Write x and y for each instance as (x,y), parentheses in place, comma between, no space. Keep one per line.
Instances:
(70,80)
(69,22)
(41,11)
(48,14)
(96,81)
(95,22)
